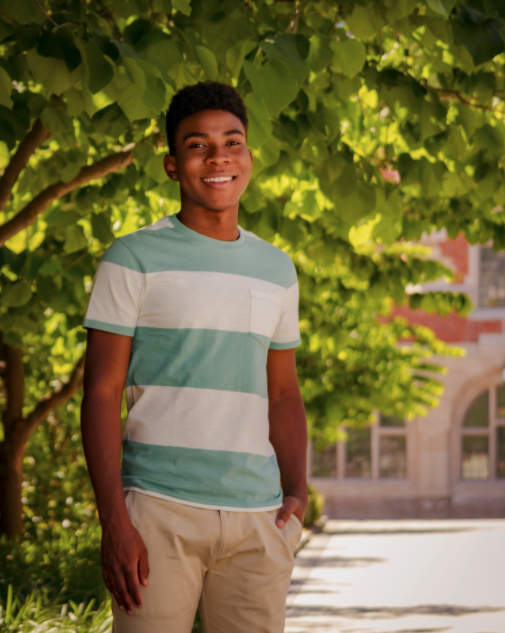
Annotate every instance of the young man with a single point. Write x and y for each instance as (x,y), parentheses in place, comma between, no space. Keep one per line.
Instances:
(199,319)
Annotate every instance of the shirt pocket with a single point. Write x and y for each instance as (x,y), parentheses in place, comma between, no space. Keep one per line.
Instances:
(265,312)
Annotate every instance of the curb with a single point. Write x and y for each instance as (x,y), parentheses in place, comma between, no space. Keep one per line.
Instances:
(308,532)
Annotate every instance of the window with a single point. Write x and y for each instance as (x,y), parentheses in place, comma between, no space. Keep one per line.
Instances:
(378,451)
(358,453)
(324,462)
(492,278)
(483,437)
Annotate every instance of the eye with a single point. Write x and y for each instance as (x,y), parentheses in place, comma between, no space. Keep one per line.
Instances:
(235,142)
(196,145)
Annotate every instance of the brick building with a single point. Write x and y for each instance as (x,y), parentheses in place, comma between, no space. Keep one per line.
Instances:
(450,463)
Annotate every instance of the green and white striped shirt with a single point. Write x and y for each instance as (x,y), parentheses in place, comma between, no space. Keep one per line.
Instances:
(202,313)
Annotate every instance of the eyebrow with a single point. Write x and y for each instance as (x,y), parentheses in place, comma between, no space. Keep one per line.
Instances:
(204,134)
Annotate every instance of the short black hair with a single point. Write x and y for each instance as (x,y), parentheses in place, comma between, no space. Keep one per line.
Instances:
(205,95)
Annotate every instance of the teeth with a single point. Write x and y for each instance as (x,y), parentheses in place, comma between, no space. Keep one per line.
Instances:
(221,179)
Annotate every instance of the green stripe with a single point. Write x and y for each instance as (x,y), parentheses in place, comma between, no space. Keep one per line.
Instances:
(206,359)
(288,345)
(108,327)
(119,253)
(168,249)
(217,478)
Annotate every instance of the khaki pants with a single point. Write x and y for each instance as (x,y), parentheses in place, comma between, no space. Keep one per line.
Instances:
(235,566)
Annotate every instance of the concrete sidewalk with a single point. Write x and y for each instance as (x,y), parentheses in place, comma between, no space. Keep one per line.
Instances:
(400,577)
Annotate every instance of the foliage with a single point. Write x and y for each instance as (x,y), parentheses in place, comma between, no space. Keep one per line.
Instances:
(315,507)
(370,121)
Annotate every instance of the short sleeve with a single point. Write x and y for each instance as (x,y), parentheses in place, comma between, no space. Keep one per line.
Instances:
(287,332)
(117,291)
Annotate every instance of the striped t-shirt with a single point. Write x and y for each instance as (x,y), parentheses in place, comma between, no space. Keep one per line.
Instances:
(202,313)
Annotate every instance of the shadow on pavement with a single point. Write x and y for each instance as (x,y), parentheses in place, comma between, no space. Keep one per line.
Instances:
(338,561)
(396,531)
(295,611)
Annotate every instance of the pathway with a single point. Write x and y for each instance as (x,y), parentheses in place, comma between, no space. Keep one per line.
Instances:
(400,577)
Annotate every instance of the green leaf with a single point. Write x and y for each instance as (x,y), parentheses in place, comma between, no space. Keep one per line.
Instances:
(60,126)
(23,12)
(289,50)
(479,33)
(364,22)
(102,227)
(154,168)
(236,54)
(100,70)
(182,6)
(441,7)
(273,82)
(52,73)
(75,239)
(16,295)
(208,62)
(260,126)
(268,152)
(47,290)
(56,121)
(357,204)
(320,54)
(349,57)
(60,44)
(131,96)
(5,89)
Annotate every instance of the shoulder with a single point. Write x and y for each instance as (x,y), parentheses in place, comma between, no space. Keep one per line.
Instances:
(130,250)
(272,256)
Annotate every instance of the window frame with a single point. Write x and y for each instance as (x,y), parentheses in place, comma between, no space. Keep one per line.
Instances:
(377,431)
(472,288)
(489,431)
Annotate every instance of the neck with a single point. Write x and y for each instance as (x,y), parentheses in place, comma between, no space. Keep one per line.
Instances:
(220,225)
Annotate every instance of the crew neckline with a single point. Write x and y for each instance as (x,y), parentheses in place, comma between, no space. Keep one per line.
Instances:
(205,239)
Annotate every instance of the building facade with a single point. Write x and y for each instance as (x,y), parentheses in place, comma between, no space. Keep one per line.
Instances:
(450,463)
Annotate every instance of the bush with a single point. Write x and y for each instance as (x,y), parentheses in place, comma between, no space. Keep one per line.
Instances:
(315,507)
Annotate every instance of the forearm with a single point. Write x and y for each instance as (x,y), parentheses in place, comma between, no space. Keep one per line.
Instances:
(288,435)
(101,438)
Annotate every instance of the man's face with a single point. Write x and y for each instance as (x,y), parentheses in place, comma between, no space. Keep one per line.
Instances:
(211,161)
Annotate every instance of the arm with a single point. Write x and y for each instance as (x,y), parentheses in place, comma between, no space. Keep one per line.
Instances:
(288,432)
(123,553)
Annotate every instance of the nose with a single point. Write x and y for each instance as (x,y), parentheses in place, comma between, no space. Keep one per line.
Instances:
(217,155)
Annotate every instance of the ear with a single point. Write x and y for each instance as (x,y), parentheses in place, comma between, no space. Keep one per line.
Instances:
(170,166)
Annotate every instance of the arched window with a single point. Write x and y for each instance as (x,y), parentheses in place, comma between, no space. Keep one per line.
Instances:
(483,437)
(377,451)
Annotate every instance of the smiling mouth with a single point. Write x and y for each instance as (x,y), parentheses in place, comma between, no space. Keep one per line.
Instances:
(219,179)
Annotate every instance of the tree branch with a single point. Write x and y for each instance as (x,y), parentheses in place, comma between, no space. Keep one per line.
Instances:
(54,400)
(14,382)
(39,204)
(31,142)
(455,95)
(46,14)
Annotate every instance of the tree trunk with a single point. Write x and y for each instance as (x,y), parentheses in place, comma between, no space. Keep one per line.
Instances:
(13,447)
(11,477)
(17,431)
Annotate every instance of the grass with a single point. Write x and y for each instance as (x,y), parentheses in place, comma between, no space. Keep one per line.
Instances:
(53,583)
(37,614)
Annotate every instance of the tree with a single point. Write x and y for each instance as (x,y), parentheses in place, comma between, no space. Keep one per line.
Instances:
(371,122)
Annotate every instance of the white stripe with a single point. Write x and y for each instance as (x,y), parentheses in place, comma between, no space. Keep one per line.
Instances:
(116,295)
(164,223)
(287,329)
(202,505)
(206,419)
(208,300)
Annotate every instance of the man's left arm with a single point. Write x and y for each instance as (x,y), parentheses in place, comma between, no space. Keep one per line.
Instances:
(288,432)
